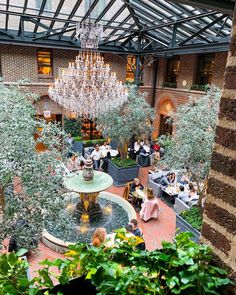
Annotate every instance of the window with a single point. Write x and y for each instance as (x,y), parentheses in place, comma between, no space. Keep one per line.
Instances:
(204,69)
(130,68)
(48,5)
(172,71)
(44,62)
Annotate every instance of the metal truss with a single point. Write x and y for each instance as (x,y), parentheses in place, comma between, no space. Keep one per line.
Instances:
(139,27)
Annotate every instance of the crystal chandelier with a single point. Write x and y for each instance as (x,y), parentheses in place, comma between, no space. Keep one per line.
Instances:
(87,86)
(90,34)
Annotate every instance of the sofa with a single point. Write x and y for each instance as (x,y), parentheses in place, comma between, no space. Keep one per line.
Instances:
(156,186)
(180,206)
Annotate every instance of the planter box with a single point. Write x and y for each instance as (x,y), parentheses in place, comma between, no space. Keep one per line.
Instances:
(122,175)
(184,226)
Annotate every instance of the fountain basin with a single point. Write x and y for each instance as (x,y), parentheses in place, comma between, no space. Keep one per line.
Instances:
(60,245)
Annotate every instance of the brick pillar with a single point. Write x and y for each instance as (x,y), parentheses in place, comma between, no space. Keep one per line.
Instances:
(219,222)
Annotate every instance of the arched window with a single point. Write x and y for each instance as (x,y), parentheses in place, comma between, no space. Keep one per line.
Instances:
(166,126)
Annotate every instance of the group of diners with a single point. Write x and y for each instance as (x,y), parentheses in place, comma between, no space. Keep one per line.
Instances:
(142,149)
(100,155)
(101,237)
(181,187)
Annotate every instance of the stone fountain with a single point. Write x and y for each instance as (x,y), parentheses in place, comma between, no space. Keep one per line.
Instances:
(88,207)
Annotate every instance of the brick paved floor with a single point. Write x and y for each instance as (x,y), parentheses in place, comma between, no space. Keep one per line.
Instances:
(154,231)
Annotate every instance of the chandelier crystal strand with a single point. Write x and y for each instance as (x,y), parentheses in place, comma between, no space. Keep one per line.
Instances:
(88,86)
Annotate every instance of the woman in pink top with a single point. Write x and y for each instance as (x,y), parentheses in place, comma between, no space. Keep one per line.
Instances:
(150,207)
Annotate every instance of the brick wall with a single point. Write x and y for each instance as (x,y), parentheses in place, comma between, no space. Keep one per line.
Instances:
(187,69)
(219,220)
(186,77)
(18,62)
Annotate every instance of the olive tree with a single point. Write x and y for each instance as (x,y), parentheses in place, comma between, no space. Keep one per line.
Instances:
(30,187)
(192,141)
(133,117)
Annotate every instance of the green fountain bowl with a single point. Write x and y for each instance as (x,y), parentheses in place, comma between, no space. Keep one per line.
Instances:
(75,182)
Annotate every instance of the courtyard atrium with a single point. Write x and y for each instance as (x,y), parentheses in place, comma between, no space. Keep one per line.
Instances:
(117,147)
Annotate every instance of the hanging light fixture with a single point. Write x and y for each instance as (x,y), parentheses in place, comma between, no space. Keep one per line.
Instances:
(87,86)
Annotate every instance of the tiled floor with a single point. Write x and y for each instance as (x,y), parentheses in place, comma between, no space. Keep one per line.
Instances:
(154,230)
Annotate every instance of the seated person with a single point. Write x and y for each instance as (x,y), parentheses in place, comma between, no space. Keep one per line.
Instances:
(150,206)
(184,180)
(146,146)
(166,180)
(73,164)
(172,178)
(136,185)
(96,156)
(105,162)
(105,146)
(143,159)
(155,147)
(193,195)
(137,146)
(99,237)
(182,195)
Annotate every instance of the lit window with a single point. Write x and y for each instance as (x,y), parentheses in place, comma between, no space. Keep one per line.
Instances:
(204,69)
(130,68)
(172,71)
(44,62)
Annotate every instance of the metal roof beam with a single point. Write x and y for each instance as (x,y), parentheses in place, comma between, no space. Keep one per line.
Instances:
(116,15)
(202,30)
(71,16)
(40,12)
(59,6)
(183,20)
(91,8)
(225,6)
(131,11)
(121,24)
(105,10)
(7,15)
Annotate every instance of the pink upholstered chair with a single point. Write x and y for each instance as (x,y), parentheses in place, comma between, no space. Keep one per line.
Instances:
(150,209)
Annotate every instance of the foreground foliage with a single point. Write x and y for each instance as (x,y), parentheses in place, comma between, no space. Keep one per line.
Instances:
(183,267)
(29,187)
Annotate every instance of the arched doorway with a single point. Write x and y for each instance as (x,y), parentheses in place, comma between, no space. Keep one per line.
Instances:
(166,126)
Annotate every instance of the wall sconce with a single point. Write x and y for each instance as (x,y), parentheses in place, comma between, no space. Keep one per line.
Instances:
(47,114)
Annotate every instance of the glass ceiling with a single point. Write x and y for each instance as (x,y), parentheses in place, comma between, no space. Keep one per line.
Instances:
(130,26)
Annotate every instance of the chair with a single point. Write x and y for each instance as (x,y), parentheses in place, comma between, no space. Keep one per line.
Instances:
(150,209)
(126,194)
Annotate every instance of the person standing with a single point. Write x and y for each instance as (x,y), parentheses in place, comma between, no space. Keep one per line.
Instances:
(69,142)
(96,156)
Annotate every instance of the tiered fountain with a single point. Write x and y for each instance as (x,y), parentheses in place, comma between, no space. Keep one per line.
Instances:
(88,207)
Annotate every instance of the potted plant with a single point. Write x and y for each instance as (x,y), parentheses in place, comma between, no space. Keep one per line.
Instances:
(120,124)
(190,221)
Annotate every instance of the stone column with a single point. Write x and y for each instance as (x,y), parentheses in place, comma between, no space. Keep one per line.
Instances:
(219,224)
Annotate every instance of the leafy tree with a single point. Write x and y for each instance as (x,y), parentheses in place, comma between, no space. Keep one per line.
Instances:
(72,126)
(133,117)
(30,186)
(192,142)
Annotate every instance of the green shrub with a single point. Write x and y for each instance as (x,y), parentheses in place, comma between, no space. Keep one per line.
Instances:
(123,163)
(199,87)
(194,217)
(183,267)
(72,126)
(170,85)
